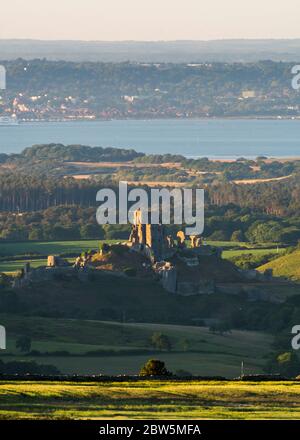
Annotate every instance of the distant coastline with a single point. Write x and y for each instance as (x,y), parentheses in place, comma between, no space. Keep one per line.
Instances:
(203,118)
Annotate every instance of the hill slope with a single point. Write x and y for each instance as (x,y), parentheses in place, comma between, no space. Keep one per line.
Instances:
(122,347)
(286,266)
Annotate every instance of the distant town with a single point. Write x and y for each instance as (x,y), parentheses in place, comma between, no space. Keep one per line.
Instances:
(91,91)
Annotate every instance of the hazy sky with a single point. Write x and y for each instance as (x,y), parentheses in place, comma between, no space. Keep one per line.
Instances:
(149,19)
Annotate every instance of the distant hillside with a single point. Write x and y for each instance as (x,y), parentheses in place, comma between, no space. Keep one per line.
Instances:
(153,51)
(64,90)
(286,266)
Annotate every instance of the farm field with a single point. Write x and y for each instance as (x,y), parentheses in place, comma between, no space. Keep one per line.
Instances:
(238,252)
(118,346)
(287,266)
(150,400)
(50,247)
(14,266)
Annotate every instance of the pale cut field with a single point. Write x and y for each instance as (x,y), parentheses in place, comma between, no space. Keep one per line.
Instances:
(253,181)
(125,165)
(156,183)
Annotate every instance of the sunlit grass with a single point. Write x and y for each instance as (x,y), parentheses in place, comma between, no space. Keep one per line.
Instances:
(151,399)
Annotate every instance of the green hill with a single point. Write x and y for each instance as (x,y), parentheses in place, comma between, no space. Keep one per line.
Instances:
(287,266)
(122,347)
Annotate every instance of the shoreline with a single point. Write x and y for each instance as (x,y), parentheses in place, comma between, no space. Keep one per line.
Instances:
(169,118)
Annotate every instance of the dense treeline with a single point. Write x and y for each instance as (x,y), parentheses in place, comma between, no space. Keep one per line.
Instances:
(58,223)
(20,193)
(223,223)
(279,198)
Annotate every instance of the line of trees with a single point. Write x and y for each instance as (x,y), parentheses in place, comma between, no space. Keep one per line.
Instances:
(222,223)
(22,193)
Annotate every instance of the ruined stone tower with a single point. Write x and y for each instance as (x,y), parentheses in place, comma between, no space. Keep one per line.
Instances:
(152,236)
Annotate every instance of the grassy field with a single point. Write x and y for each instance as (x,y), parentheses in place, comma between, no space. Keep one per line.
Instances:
(50,247)
(14,266)
(260,252)
(150,400)
(287,266)
(203,352)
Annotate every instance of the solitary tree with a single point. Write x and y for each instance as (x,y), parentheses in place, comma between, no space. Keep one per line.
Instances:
(154,367)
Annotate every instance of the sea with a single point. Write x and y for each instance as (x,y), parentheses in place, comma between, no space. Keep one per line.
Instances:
(212,138)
